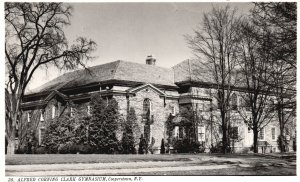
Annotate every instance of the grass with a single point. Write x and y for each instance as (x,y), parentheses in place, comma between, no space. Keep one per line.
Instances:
(239,171)
(24,159)
(243,164)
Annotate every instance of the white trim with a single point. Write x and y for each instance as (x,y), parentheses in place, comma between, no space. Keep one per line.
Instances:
(201,130)
(134,90)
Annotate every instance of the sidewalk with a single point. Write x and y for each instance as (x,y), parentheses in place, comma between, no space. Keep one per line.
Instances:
(107,169)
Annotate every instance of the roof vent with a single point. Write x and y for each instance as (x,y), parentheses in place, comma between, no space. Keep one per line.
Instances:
(150,60)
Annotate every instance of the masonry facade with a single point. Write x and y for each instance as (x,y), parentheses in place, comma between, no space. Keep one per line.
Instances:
(148,88)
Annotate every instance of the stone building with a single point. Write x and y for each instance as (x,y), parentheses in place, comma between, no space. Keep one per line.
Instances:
(163,92)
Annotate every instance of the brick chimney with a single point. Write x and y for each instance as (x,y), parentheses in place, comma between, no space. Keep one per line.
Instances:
(150,60)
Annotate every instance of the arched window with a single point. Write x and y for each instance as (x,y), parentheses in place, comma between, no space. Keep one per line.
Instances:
(234,101)
(146,107)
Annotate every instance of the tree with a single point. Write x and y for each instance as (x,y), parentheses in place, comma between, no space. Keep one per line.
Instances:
(34,38)
(25,129)
(128,139)
(255,58)
(280,18)
(162,147)
(143,145)
(216,42)
(104,124)
(66,130)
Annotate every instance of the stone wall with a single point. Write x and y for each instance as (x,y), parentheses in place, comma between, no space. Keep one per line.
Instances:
(160,109)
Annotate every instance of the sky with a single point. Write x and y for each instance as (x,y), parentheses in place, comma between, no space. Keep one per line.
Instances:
(132,31)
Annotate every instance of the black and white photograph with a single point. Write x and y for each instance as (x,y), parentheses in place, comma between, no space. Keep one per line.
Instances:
(120,91)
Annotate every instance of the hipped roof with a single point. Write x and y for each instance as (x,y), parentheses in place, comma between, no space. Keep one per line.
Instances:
(117,70)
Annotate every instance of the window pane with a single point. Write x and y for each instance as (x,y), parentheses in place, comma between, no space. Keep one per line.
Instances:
(273,133)
(234,132)
(262,134)
(146,108)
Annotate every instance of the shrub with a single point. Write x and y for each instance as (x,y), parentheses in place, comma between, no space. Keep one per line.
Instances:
(41,150)
(284,144)
(201,149)
(245,150)
(143,149)
(84,149)
(162,147)
(104,124)
(21,150)
(184,146)
(63,149)
(217,148)
(128,141)
(294,145)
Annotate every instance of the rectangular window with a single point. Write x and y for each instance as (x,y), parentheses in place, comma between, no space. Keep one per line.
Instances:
(234,133)
(261,135)
(173,110)
(273,134)
(201,133)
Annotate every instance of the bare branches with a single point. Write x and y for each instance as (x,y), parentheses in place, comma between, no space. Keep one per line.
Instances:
(216,42)
(35,38)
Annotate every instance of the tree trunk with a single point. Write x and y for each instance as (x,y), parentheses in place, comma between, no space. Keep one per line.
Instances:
(255,139)
(281,127)
(224,131)
(281,138)
(11,146)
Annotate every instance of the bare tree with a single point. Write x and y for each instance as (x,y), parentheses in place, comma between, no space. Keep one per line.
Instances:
(34,37)
(255,59)
(215,44)
(280,18)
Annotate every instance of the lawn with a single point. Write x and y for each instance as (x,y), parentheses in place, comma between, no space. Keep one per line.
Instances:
(190,164)
(23,159)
